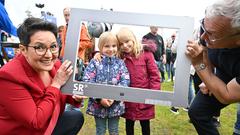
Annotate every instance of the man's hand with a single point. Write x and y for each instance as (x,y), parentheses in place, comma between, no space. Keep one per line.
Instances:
(195,52)
(193,48)
(204,89)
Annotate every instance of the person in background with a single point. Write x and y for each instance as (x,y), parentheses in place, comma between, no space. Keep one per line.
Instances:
(2,51)
(222,36)
(17,51)
(170,58)
(5,21)
(175,109)
(84,43)
(191,90)
(159,54)
(110,70)
(143,74)
(59,36)
(31,102)
(6,25)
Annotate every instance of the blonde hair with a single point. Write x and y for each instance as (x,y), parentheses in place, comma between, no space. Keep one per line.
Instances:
(125,34)
(105,38)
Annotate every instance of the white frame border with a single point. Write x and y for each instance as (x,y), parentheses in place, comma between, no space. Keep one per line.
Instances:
(183,24)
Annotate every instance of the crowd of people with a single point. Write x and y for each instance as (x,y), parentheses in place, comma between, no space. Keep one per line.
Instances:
(31,101)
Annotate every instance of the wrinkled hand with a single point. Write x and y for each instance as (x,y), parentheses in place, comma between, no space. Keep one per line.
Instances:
(63,74)
(198,54)
(204,89)
(195,52)
(106,102)
(79,98)
(193,48)
(97,57)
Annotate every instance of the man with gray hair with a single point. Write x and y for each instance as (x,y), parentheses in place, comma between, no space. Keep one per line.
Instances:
(221,32)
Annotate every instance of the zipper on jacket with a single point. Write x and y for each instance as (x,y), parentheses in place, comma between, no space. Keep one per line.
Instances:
(108,71)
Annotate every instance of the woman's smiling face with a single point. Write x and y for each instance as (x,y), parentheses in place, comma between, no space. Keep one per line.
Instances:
(44,39)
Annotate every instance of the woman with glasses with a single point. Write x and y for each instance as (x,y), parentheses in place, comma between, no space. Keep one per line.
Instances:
(31,102)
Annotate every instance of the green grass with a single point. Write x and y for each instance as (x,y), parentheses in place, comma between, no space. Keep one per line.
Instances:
(167,123)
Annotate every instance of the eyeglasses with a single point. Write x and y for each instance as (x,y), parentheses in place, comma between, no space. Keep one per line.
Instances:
(211,37)
(42,49)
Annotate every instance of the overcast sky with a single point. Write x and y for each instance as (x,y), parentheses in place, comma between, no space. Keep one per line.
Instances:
(193,8)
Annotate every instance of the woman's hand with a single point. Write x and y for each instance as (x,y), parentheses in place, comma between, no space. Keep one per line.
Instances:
(63,74)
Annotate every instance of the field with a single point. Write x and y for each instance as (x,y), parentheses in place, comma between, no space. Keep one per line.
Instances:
(167,123)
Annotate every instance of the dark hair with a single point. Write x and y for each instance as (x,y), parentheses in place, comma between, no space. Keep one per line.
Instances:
(202,41)
(33,25)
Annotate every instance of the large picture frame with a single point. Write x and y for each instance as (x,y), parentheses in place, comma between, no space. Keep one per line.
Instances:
(178,97)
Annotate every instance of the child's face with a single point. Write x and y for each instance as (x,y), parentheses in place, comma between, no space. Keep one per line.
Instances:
(126,46)
(109,49)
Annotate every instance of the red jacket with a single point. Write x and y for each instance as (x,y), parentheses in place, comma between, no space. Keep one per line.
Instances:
(26,105)
(143,74)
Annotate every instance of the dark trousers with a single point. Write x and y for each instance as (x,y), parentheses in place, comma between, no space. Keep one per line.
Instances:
(201,111)
(1,60)
(145,124)
(197,81)
(69,123)
(160,66)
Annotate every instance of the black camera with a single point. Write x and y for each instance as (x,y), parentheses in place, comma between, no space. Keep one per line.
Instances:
(95,29)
